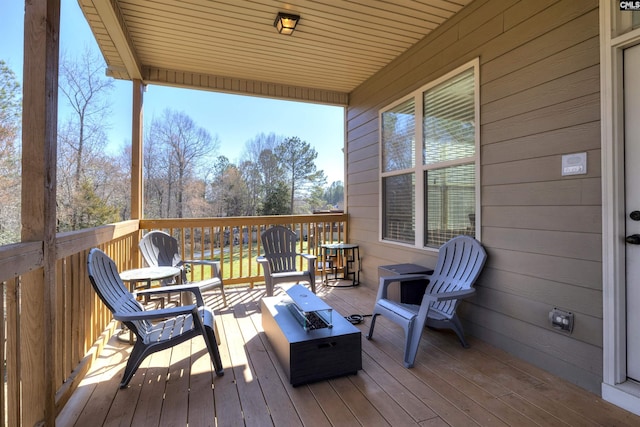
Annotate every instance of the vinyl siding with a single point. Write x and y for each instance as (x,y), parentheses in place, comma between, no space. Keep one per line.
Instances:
(539,95)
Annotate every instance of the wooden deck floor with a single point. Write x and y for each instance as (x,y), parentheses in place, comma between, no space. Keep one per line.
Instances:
(448,386)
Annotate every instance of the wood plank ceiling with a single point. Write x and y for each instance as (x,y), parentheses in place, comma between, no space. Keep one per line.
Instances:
(232,46)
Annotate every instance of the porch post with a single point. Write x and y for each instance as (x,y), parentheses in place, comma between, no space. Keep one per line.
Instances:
(137,162)
(137,180)
(39,147)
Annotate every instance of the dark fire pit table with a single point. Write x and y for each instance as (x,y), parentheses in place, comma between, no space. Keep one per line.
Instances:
(312,342)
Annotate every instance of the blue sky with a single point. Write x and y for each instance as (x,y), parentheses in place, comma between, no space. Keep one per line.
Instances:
(234,119)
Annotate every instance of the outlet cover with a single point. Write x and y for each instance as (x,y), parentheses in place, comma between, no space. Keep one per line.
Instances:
(561,320)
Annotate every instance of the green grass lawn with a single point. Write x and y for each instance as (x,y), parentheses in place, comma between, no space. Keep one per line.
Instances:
(241,260)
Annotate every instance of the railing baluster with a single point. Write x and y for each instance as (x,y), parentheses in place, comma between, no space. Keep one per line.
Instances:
(13,352)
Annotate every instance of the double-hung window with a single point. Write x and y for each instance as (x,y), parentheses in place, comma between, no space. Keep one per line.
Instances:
(429,151)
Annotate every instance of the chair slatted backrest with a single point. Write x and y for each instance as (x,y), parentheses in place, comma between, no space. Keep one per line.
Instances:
(460,261)
(159,249)
(279,246)
(106,281)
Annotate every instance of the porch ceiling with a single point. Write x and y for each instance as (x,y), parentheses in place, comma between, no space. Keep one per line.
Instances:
(232,46)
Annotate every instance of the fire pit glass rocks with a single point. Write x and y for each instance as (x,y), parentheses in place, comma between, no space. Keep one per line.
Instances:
(310,311)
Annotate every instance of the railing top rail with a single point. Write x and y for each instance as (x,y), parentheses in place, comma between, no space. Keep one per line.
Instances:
(19,258)
(72,242)
(241,220)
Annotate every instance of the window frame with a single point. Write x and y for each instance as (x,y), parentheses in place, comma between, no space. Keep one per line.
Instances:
(419,169)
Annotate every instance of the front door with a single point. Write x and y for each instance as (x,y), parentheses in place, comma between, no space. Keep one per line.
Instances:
(632,194)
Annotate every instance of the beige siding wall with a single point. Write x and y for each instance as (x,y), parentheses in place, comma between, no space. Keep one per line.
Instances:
(539,99)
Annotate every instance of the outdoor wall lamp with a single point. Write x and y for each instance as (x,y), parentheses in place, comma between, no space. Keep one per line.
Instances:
(286,23)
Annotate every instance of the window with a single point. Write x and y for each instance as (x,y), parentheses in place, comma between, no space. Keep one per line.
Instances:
(429,187)
(398,157)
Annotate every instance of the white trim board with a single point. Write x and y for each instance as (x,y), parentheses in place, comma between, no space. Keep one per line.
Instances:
(616,388)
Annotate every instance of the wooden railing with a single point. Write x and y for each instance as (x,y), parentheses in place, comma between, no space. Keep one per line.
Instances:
(79,318)
(83,324)
(235,242)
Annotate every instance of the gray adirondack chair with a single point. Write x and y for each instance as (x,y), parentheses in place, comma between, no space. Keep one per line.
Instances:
(160,249)
(280,258)
(460,261)
(174,325)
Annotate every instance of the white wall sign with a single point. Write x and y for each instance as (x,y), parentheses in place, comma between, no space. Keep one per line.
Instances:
(574,164)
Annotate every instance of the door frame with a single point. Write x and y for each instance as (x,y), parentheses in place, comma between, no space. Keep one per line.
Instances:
(615,386)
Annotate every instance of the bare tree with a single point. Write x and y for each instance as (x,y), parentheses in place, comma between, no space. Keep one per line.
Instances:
(10,113)
(120,181)
(259,169)
(254,147)
(182,148)
(156,177)
(82,138)
(84,86)
(197,205)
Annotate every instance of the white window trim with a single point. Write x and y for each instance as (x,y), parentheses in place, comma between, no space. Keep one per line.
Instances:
(419,168)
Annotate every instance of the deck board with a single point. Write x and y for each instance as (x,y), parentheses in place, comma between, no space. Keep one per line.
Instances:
(151,381)
(201,407)
(122,411)
(391,396)
(176,400)
(449,385)
(389,338)
(254,408)
(275,395)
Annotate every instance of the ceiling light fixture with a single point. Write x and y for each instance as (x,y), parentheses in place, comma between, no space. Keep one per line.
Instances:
(285,23)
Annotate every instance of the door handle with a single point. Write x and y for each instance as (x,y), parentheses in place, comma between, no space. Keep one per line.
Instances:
(635,215)
(634,239)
